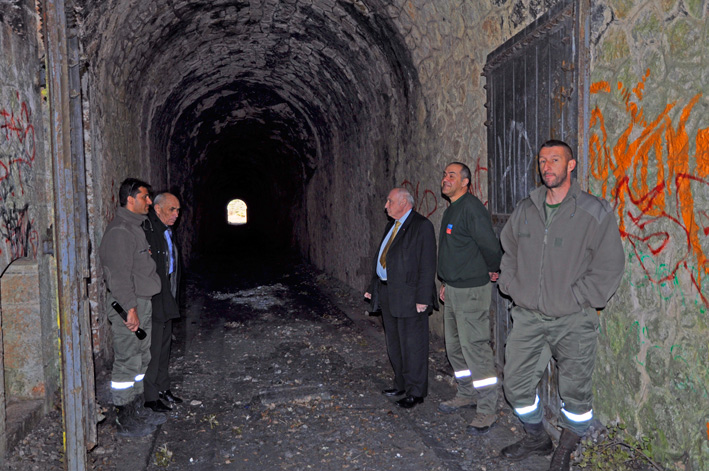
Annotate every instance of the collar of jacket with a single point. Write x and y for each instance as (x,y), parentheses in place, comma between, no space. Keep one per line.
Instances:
(539,195)
(129,216)
(155,222)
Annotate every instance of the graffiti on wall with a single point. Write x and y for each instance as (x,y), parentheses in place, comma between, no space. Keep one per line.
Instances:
(426,200)
(478,179)
(17,155)
(653,181)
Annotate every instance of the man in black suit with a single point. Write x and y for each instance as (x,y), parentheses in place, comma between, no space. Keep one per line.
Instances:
(403,286)
(158,232)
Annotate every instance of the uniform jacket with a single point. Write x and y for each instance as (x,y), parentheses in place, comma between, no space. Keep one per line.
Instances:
(468,249)
(411,268)
(575,263)
(165,306)
(128,269)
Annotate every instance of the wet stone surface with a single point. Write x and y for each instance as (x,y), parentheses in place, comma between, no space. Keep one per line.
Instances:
(286,373)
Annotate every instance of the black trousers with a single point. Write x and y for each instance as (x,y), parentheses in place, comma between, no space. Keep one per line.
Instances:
(407,346)
(157,377)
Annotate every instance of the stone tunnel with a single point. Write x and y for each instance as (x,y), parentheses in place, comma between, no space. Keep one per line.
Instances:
(302,110)
(310,111)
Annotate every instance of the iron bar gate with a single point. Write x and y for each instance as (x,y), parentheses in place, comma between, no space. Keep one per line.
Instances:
(532,84)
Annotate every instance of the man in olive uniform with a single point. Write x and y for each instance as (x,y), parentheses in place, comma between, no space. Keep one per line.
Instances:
(131,280)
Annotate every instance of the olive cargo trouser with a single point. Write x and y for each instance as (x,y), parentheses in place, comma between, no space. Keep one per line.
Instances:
(533,340)
(467,328)
(131,355)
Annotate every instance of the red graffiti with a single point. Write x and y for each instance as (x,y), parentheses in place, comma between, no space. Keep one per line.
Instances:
(478,180)
(17,149)
(426,203)
(17,154)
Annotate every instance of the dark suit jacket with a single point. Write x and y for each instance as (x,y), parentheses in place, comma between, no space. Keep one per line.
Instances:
(164,304)
(411,268)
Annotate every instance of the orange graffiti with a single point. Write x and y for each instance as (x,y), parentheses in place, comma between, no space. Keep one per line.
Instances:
(643,201)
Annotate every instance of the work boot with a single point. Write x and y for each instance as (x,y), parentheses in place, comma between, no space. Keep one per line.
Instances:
(146,415)
(535,442)
(482,423)
(561,461)
(457,403)
(128,425)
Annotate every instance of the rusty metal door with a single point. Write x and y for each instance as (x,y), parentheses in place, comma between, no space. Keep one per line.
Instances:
(532,96)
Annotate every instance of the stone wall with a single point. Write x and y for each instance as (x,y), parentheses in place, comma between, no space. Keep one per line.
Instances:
(649,156)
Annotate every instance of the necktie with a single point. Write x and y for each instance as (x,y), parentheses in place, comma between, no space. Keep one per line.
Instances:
(383,258)
(168,238)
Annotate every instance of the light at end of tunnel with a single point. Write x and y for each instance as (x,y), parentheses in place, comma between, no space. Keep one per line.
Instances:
(236,212)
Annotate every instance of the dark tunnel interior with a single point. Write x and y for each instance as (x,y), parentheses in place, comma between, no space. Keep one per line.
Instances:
(261,157)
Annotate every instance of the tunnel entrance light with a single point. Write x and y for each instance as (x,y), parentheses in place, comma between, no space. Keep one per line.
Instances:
(236,212)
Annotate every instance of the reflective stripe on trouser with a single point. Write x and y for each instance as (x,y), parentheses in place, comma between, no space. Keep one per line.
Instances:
(467,329)
(534,338)
(130,354)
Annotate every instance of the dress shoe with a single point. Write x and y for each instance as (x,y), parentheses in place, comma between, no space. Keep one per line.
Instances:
(157,406)
(167,396)
(393,392)
(409,401)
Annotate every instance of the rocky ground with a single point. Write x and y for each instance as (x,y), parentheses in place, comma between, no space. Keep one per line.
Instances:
(283,371)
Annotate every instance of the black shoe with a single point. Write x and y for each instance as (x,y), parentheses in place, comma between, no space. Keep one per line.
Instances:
(561,461)
(393,392)
(157,406)
(169,397)
(409,401)
(128,424)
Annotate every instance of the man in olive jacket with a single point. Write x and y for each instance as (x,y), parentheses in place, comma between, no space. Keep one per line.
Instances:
(403,285)
(131,280)
(163,249)
(563,260)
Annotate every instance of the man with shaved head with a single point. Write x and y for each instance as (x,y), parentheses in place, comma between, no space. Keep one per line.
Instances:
(403,285)
(158,232)
(563,261)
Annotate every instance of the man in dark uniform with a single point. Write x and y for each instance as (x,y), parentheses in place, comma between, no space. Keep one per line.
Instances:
(403,285)
(158,232)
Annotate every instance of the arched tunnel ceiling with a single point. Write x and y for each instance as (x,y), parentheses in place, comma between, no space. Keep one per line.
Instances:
(224,88)
(329,60)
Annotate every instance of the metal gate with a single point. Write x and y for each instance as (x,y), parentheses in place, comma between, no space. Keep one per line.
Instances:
(532,96)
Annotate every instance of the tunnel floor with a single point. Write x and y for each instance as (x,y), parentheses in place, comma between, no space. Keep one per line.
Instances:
(280,369)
